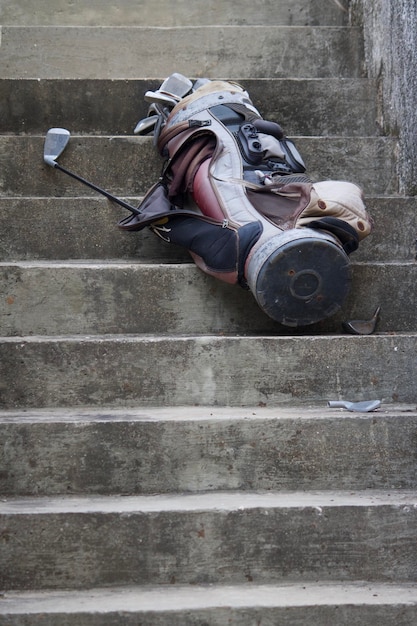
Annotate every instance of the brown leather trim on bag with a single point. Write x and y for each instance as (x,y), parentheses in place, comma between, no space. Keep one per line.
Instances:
(281,204)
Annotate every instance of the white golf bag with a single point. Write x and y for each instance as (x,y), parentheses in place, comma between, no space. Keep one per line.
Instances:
(234,192)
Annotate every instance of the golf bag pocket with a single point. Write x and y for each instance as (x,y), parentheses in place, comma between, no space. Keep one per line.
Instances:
(337,199)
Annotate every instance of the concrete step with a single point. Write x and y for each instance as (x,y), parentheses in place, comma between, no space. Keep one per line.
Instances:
(221,537)
(171,13)
(157,450)
(344,604)
(212,51)
(328,106)
(211,370)
(129,165)
(76,228)
(121,297)
(86,228)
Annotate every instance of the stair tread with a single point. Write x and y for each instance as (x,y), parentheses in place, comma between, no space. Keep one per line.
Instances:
(207,501)
(161,13)
(214,369)
(178,597)
(101,296)
(70,221)
(135,165)
(197,413)
(334,105)
(206,338)
(214,50)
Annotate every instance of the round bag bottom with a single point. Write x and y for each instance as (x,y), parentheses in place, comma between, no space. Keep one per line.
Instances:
(299,277)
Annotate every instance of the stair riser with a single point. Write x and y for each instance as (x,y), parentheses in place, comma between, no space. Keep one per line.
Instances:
(263,545)
(75,228)
(323,107)
(32,52)
(170,13)
(138,456)
(99,299)
(240,371)
(375,615)
(130,165)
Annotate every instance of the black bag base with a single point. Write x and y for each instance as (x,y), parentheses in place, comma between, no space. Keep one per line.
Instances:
(303,281)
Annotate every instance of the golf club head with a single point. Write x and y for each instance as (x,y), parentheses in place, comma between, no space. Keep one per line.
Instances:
(146,125)
(362,327)
(200,82)
(55,143)
(158,109)
(160,98)
(360,407)
(176,85)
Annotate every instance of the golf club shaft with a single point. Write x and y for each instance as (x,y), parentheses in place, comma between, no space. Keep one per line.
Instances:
(108,195)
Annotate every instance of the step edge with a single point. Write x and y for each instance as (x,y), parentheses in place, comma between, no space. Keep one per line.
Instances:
(201,337)
(187,414)
(213,501)
(167,598)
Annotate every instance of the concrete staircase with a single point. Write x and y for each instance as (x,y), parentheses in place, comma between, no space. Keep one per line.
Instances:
(167,453)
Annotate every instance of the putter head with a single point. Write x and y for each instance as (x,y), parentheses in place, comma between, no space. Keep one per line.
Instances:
(55,143)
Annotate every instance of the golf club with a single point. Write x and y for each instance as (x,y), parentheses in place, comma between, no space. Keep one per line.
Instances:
(56,141)
(160,98)
(146,125)
(176,85)
(362,327)
(162,101)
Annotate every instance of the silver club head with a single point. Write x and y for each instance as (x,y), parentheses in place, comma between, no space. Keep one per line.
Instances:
(160,98)
(146,125)
(55,143)
(361,407)
(176,85)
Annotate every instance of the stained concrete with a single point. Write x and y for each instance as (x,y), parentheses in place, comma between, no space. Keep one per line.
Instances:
(85,228)
(126,52)
(59,542)
(136,297)
(324,106)
(191,449)
(224,537)
(390,46)
(172,12)
(148,370)
(238,605)
(136,165)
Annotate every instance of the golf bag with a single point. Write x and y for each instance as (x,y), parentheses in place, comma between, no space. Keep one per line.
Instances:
(234,192)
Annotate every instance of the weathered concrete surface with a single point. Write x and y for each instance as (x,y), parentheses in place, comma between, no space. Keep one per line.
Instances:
(194,449)
(129,165)
(86,228)
(76,228)
(216,537)
(390,47)
(225,537)
(215,52)
(121,297)
(171,13)
(325,106)
(395,230)
(134,166)
(240,605)
(129,370)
